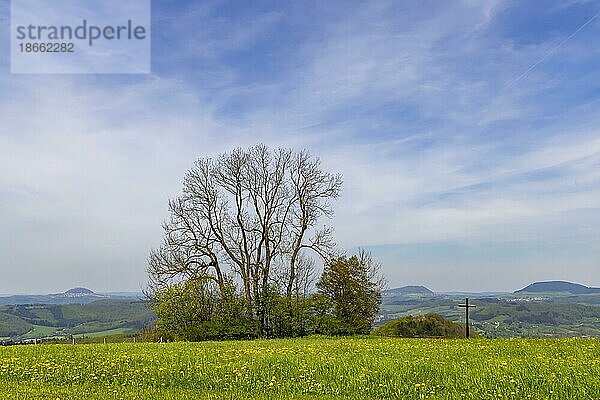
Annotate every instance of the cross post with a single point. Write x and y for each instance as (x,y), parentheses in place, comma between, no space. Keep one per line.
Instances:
(466,306)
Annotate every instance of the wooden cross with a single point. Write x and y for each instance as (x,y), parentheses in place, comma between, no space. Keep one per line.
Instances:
(466,306)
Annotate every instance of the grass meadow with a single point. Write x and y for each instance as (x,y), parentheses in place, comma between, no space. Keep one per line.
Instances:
(309,368)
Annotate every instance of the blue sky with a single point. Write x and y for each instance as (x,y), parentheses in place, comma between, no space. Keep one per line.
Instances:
(465,168)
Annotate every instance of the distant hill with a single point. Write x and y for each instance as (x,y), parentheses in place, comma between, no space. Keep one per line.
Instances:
(409,290)
(558,287)
(79,292)
(72,296)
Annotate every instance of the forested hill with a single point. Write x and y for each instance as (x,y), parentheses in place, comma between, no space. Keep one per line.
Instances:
(409,290)
(558,287)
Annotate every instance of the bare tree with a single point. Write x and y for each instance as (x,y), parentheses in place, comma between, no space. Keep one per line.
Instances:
(247,212)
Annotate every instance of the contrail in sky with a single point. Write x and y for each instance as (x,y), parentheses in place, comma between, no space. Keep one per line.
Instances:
(528,70)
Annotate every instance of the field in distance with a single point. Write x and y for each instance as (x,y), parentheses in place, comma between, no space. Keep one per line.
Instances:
(101,317)
(529,312)
(567,310)
(309,368)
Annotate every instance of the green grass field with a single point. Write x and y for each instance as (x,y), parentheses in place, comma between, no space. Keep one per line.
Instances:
(107,333)
(39,331)
(311,368)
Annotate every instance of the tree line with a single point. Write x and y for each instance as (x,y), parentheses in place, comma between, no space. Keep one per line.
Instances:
(240,245)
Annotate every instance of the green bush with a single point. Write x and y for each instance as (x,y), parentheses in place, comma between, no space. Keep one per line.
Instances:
(429,325)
